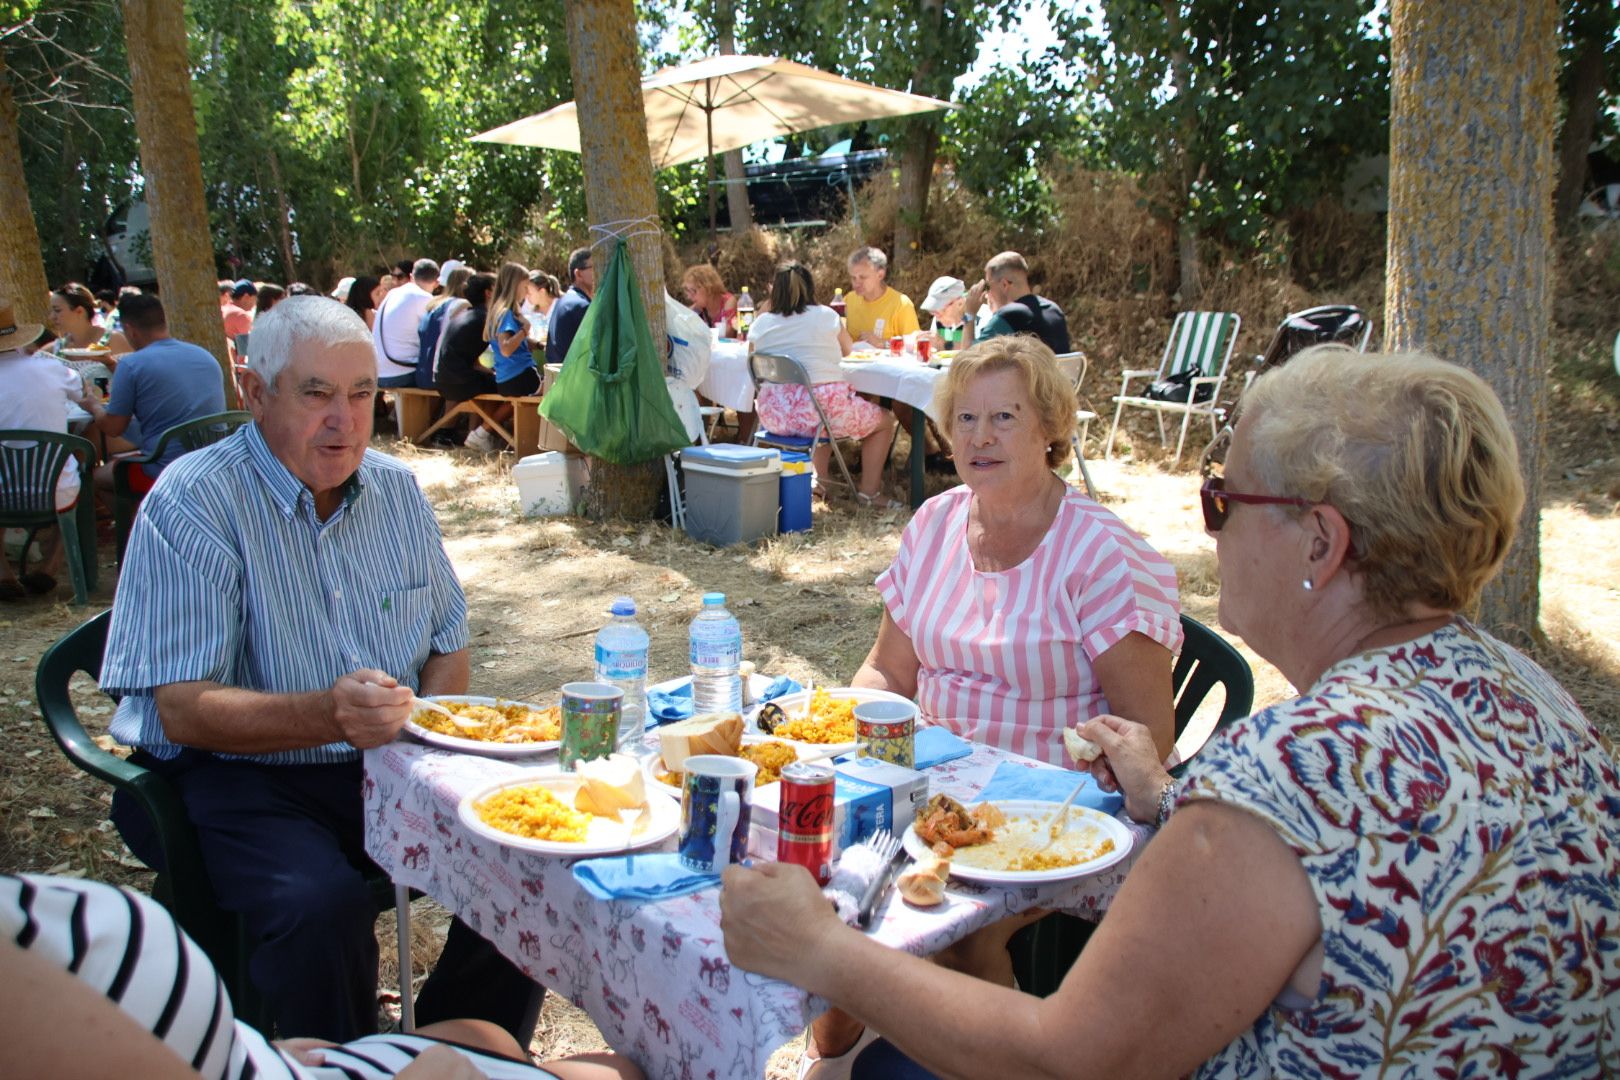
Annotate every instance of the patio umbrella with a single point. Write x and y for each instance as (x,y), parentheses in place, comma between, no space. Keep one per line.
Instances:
(725,102)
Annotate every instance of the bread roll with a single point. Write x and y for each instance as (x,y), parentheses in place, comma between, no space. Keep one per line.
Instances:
(1082,750)
(609,785)
(923,882)
(711,733)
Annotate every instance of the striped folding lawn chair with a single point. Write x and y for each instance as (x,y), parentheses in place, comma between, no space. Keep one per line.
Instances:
(1201,343)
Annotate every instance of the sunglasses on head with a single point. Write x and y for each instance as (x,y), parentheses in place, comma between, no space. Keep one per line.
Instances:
(1217,501)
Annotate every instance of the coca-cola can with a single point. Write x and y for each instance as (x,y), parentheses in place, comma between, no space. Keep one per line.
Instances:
(805,824)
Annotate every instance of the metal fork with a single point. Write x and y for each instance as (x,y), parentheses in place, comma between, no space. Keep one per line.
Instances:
(886,845)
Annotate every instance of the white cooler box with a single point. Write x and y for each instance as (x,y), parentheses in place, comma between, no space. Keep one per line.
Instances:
(731,492)
(548,484)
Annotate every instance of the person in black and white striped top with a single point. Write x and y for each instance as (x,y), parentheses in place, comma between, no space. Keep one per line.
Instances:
(91,971)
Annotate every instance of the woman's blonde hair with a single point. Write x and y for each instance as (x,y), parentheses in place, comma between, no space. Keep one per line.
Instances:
(705,277)
(1415,452)
(508,296)
(1052,394)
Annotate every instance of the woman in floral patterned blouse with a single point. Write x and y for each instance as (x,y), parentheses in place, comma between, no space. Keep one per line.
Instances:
(1412,869)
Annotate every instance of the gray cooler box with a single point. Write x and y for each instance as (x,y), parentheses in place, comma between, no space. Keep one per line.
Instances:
(731,493)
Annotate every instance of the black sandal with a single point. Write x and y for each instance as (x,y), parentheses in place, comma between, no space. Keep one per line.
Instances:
(38,583)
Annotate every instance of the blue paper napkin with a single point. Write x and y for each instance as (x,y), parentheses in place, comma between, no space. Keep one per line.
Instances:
(668,706)
(1044,784)
(656,875)
(937,745)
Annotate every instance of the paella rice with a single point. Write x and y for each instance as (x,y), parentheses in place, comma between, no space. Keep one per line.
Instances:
(503,722)
(533,812)
(831,720)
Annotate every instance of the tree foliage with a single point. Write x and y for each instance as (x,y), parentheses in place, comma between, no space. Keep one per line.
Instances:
(1280,97)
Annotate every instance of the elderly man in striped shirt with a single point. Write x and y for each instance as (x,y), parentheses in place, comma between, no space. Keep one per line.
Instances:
(285,592)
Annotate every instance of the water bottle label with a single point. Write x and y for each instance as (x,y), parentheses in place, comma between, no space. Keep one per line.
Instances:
(621,663)
(717,654)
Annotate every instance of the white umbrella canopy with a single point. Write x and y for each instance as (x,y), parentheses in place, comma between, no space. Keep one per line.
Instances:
(726,102)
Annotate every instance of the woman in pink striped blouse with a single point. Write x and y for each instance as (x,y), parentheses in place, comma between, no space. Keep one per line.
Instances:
(1016,606)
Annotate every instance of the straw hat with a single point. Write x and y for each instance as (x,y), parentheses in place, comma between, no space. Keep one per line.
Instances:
(15,335)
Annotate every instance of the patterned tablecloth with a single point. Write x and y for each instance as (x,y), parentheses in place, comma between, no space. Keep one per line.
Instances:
(653,976)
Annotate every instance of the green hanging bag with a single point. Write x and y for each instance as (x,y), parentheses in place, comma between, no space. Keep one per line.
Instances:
(610,398)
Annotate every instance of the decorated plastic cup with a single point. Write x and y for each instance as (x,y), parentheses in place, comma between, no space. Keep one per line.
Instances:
(887,730)
(716,800)
(590,721)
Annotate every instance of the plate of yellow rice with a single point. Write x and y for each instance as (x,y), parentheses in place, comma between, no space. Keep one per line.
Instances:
(535,812)
(823,718)
(503,728)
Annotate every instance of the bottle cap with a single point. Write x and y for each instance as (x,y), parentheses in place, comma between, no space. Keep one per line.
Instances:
(623,606)
(714,599)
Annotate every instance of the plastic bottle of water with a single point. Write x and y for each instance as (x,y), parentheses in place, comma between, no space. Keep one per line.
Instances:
(716,652)
(621,659)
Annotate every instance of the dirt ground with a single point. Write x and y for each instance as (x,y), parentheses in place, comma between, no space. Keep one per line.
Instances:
(538,590)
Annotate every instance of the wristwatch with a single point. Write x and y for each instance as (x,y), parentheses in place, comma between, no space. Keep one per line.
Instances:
(1167,799)
(969,319)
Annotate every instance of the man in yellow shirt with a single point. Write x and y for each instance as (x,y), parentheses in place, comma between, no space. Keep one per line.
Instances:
(874,312)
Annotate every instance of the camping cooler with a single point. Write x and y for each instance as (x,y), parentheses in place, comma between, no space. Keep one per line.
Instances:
(548,484)
(795,492)
(731,493)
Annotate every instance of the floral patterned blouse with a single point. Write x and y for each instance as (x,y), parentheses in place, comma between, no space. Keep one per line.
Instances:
(1459,820)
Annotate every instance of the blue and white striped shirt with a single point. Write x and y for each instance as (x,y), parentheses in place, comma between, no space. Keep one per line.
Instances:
(231,578)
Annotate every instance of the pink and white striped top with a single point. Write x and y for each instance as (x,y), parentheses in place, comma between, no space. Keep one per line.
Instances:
(1006,657)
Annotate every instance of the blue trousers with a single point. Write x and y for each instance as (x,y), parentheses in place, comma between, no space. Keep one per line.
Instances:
(285,849)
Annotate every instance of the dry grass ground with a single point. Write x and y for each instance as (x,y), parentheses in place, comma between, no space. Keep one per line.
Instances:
(537,591)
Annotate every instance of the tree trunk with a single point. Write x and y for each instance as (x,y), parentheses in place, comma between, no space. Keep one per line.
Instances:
(1470,226)
(605,61)
(182,252)
(737,208)
(22,262)
(918,147)
(1192,280)
(919,143)
(1583,88)
(283,218)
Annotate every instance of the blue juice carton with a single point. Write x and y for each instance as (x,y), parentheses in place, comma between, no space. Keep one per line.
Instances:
(868,795)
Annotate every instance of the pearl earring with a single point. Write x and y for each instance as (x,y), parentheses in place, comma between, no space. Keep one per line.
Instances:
(1308,585)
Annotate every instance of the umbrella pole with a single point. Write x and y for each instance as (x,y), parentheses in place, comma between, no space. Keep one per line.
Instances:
(708,122)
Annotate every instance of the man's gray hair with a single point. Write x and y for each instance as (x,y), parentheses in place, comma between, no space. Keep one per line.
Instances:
(299,322)
(871,255)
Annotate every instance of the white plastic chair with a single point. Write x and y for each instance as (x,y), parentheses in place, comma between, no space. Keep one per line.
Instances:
(1074,366)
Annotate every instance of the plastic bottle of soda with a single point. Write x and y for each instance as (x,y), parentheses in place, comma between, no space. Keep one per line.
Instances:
(716,640)
(621,659)
(745,313)
(838,302)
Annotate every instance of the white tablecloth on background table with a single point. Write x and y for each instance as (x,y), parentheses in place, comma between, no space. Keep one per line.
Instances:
(904,380)
(727,381)
(653,976)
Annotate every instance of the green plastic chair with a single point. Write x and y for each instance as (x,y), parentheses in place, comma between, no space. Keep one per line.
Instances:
(1044,952)
(182,885)
(191,435)
(30,464)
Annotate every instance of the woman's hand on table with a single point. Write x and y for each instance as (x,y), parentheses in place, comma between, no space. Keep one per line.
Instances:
(775,920)
(1129,764)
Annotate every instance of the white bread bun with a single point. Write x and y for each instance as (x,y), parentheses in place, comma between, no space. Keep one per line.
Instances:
(711,733)
(1082,750)
(923,882)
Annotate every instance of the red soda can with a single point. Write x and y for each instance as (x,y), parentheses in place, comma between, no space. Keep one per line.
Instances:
(805,824)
